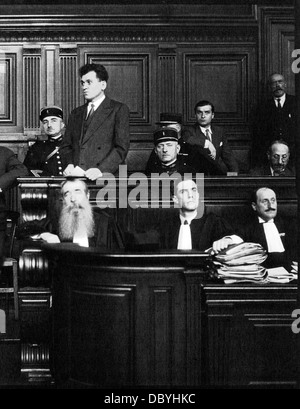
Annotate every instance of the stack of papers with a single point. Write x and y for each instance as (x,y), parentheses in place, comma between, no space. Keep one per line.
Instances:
(280,275)
(295,267)
(242,263)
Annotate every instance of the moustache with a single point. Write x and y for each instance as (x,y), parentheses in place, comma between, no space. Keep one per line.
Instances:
(271,210)
(73,207)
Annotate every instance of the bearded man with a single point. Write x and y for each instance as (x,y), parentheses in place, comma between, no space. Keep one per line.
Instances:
(78,223)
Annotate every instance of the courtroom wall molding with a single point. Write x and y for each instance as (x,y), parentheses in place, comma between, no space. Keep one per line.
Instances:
(142,34)
(63,15)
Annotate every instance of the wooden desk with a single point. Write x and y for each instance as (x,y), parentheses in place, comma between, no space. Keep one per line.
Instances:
(249,335)
(127,319)
(226,196)
(149,320)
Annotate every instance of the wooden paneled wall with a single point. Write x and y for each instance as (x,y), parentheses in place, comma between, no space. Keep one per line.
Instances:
(160,58)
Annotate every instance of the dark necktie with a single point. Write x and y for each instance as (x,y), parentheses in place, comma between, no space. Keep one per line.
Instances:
(87,121)
(207,134)
(279,104)
(90,114)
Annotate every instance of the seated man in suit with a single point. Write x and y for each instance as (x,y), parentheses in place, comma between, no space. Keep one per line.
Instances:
(190,230)
(43,158)
(78,223)
(278,160)
(10,169)
(266,229)
(210,138)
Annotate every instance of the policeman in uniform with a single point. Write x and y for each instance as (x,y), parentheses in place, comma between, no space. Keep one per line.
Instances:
(167,158)
(171,154)
(44,158)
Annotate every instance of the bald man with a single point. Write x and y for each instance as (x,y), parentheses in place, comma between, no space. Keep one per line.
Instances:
(278,162)
(266,229)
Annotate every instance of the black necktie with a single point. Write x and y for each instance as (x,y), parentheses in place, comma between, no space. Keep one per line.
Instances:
(87,121)
(279,104)
(207,134)
(90,114)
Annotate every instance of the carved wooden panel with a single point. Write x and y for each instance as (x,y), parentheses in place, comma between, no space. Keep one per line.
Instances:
(161,324)
(167,90)
(32,91)
(277,43)
(10,88)
(222,75)
(251,340)
(92,308)
(7,88)
(132,72)
(68,83)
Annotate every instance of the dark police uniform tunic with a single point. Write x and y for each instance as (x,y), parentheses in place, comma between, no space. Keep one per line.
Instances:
(180,166)
(45,156)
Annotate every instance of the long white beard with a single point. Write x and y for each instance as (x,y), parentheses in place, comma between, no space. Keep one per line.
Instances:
(76,219)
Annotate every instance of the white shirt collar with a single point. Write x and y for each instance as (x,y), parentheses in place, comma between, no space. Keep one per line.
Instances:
(263,221)
(190,217)
(203,130)
(96,103)
(282,100)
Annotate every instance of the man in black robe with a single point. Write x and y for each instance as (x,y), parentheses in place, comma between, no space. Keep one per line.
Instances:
(80,224)
(189,229)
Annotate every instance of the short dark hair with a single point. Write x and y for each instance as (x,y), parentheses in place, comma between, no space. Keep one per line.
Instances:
(203,103)
(180,179)
(99,69)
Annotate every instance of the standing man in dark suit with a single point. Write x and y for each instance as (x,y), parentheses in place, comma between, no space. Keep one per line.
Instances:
(10,170)
(97,135)
(275,119)
(190,230)
(210,137)
(268,230)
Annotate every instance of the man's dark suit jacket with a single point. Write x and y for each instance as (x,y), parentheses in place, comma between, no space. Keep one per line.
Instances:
(10,170)
(106,142)
(224,156)
(269,125)
(204,231)
(265,170)
(254,233)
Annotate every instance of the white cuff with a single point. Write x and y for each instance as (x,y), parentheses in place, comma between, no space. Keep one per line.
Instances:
(235,239)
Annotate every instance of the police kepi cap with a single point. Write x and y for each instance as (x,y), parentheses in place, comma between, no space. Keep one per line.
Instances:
(52,110)
(165,135)
(167,118)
